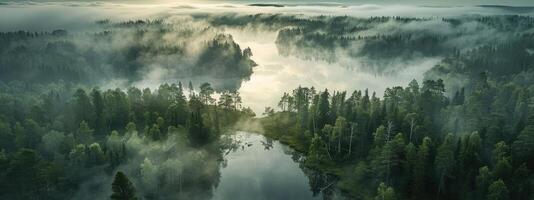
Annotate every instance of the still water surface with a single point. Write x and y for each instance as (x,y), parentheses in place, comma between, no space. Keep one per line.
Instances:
(260,168)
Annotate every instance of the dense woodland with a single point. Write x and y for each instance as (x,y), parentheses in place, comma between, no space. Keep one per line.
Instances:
(128,50)
(414,141)
(473,139)
(378,43)
(56,137)
(61,137)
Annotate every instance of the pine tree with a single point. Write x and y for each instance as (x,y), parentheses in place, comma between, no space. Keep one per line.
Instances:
(317,152)
(198,132)
(205,94)
(444,162)
(421,167)
(338,131)
(154,133)
(483,181)
(323,110)
(122,188)
(191,90)
(98,103)
(498,191)
(82,107)
(523,146)
(385,192)
(85,133)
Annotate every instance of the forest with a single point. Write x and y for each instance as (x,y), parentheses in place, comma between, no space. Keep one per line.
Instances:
(58,142)
(157,106)
(376,43)
(126,51)
(417,141)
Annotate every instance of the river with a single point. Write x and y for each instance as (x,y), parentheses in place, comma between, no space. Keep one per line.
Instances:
(261,168)
(276,74)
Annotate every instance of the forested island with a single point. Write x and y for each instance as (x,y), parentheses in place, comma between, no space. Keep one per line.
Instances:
(125,51)
(151,108)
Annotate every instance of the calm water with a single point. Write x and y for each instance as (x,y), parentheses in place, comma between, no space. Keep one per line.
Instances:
(259,168)
(276,74)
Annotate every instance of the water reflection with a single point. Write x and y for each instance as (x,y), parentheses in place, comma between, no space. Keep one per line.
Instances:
(259,168)
(276,74)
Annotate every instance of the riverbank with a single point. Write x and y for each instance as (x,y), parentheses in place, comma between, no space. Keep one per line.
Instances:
(281,128)
(261,168)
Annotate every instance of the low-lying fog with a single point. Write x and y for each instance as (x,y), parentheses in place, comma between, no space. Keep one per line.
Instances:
(119,45)
(43,15)
(275,74)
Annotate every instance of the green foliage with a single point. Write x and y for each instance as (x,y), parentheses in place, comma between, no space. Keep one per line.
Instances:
(422,168)
(385,193)
(154,133)
(483,181)
(317,152)
(198,134)
(91,57)
(498,191)
(444,163)
(462,165)
(523,147)
(501,151)
(466,132)
(339,131)
(122,188)
(223,58)
(84,135)
(52,157)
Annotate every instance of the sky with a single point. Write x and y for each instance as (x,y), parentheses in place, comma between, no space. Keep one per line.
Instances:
(323,2)
(414,2)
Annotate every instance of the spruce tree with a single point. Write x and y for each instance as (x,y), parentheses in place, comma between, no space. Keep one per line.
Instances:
(498,191)
(122,188)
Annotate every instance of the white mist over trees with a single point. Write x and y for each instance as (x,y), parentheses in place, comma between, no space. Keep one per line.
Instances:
(136,106)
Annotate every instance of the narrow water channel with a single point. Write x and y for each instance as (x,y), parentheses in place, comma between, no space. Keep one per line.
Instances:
(259,168)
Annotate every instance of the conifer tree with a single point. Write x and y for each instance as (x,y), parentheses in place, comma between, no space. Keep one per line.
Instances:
(122,188)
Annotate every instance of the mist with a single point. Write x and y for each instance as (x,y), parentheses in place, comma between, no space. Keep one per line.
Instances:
(353,68)
(166,168)
(159,91)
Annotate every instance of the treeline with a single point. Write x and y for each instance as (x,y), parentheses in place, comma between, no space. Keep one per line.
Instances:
(415,142)
(382,41)
(325,46)
(314,23)
(508,63)
(223,58)
(125,50)
(296,41)
(55,138)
